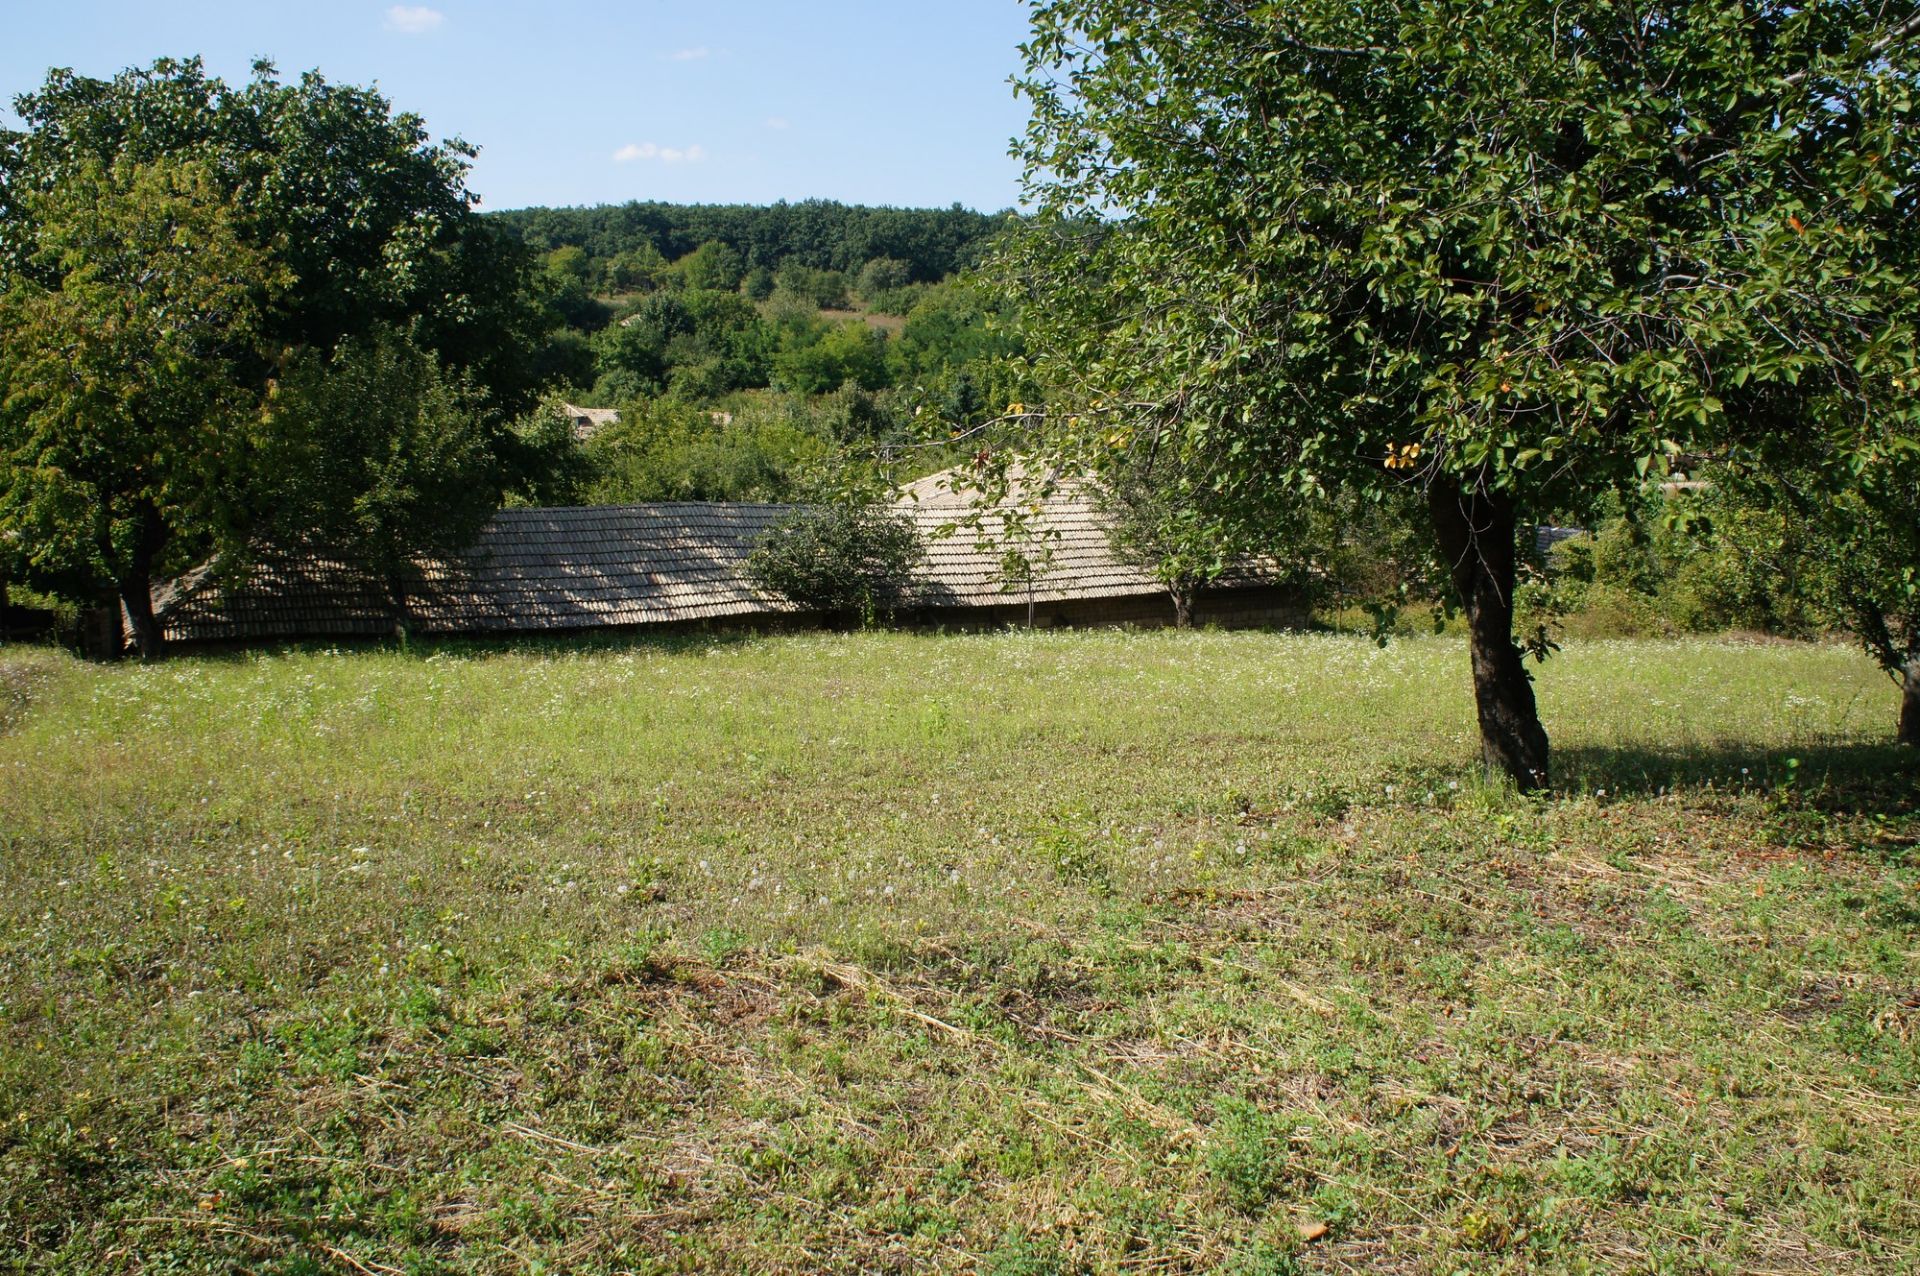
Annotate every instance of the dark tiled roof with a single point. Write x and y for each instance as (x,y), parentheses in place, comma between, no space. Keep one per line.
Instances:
(576,567)
(586,567)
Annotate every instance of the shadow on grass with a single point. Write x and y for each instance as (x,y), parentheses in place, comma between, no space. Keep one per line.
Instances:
(673,642)
(1842,778)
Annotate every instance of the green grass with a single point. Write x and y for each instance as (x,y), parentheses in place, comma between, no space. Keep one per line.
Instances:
(1010,954)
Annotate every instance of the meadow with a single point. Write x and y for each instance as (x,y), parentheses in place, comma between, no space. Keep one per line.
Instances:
(1019,954)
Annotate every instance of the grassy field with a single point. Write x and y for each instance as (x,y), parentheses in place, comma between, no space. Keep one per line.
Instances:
(1018,954)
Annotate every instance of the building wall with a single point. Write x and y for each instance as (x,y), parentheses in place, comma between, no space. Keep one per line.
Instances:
(1251,608)
(1244,608)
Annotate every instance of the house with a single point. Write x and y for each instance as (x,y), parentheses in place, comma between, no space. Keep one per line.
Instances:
(675,565)
(587,421)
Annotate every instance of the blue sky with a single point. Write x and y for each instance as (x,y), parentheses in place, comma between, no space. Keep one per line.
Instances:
(571,102)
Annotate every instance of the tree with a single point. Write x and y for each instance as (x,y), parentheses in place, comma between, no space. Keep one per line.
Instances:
(1856,553)
(638,343)
(880,276)
(374,221)
(567,360)
(1509,254)
(669,451)
(713,266)
(377,450)
(815,361)
(757,284)
(1163,522)
(333,215)
(636,269)
(563,286)
(851,557)
(1872,574)
(826,289)
(125,416)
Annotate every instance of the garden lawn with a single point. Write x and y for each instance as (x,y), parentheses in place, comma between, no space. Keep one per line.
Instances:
(1052,953)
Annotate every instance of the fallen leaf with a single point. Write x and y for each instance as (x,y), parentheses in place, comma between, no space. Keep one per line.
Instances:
(1312,1231)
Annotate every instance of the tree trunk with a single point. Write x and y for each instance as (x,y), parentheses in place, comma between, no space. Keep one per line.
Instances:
(1910,702)
(101,636)
(135,585)
(1476,530)
(402,614)
(136,595)
(1182,606)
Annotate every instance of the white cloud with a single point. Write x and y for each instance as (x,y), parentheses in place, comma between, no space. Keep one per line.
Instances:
(776,121)
(665,154)
(414,19)
(698,53)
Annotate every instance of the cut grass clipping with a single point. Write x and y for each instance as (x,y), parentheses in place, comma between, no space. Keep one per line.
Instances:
(1008,954)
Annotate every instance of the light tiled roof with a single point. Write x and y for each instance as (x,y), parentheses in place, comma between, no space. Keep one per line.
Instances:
(587,421)
(1058,527)
(584,567)
(1062,540)
(283,596)
(959,488)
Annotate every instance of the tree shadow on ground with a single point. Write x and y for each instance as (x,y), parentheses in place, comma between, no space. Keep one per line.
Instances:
(1841,778)
(481,646)
(680,642)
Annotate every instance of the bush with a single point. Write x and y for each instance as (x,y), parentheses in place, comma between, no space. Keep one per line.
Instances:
(826,289)
(1699,561)
(758,284)
(896,301)
(839,558)
(1609,611)
(668,451)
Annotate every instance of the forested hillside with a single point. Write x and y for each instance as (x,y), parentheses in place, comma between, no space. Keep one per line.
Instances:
(822,234)
(748,349)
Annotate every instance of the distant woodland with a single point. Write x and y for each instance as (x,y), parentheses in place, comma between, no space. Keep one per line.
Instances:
(750,348)
(245,314)
(820,234)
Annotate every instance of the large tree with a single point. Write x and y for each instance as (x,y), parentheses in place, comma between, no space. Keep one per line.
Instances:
(1509,253)
(1874,533)
(373,219)
(125,416)
(374,447)
(1851,549)
(303,220)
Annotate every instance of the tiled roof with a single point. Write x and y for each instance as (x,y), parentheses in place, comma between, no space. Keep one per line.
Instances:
(1063,540)
(587,567)
(1059,528)
(958,488)
(575,567)
(587,421)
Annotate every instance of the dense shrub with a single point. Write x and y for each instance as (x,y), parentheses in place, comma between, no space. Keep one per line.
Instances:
(855,559)
(826,289)
(664,450)
(1700,561)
